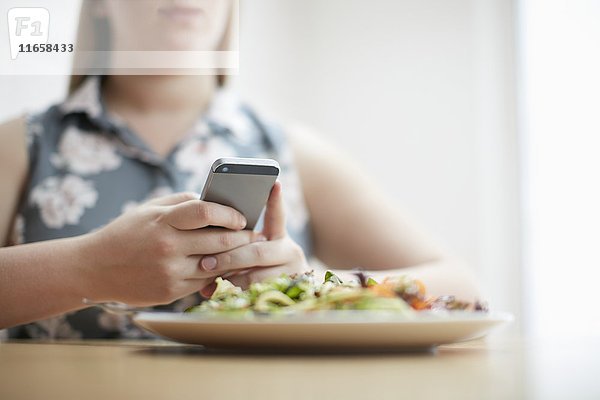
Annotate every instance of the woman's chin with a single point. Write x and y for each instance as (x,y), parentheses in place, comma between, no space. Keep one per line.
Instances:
(187,42)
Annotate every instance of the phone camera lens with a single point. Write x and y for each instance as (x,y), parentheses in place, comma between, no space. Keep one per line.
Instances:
(225,169)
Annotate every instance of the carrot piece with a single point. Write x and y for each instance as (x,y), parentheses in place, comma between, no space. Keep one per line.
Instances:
(383,290)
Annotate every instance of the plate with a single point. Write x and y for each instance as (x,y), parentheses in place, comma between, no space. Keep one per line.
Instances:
(324,330)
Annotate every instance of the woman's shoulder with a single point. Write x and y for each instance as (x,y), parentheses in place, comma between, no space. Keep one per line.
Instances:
(13,126)
(36,120)
(280,131)
(20,137)
(245,119)
(13,136)
(13,170)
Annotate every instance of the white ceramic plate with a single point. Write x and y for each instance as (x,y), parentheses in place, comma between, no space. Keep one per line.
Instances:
(325,330)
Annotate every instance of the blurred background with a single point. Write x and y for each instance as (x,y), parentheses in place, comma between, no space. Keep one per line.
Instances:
(478,117)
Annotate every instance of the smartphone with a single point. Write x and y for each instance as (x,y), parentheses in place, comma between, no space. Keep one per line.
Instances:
(243,184)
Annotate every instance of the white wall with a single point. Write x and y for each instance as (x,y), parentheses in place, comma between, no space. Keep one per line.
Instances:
(21,93)
(561,93)
(417,91)
(421,93)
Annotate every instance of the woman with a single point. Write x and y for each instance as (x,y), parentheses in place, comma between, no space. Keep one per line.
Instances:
(74,176)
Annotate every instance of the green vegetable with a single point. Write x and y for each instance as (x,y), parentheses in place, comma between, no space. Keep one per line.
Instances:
(272,299)
(294,292)
(299,293)
(331,277)
(224,289)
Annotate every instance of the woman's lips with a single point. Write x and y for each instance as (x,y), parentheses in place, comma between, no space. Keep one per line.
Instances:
(182,14)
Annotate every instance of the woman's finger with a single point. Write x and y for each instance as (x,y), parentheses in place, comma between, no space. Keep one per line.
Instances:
(173,199)
(243,280)
(195,214)
(246,278)
(193,286)
(257,254)
(274,222)
(209,289)
(189,269)
(213,240)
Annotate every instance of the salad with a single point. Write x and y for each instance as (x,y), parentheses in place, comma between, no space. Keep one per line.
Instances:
(300,292)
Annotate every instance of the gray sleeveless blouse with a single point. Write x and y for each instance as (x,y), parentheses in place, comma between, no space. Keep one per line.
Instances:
(86,167)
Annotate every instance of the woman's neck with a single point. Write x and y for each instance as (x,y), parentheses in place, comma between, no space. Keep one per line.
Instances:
(160,109)
(161,93)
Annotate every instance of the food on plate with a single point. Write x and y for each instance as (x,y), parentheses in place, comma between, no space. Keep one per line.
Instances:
(301,292)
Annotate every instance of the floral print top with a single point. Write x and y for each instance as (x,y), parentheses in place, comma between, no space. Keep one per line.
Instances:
(86,167)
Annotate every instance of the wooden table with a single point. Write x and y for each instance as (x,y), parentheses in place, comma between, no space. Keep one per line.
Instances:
(500,369)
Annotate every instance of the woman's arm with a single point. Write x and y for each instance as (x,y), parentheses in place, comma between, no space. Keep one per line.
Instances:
(40,280)
(354,224)
(13,172)
(147,256)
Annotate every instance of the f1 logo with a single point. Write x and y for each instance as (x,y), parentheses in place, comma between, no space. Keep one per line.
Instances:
(27,25)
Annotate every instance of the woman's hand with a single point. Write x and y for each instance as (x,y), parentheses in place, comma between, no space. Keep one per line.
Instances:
(151,255)
(272,254)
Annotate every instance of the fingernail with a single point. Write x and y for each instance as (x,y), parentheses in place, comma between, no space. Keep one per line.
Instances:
(261,238)
(208,290)
(209,263)
(243,222)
